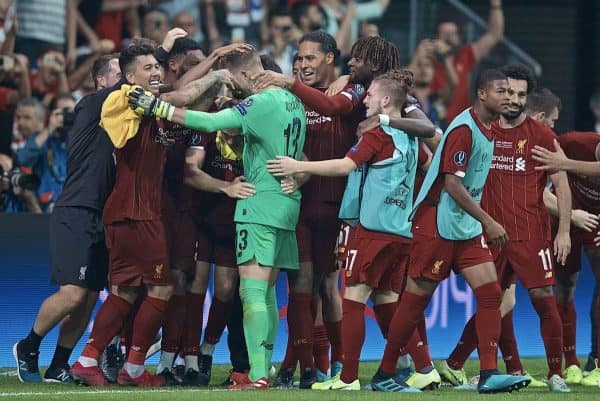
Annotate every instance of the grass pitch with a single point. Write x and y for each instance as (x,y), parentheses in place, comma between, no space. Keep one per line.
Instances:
(12,389)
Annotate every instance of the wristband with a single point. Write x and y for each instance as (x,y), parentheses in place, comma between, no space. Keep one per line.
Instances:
(170,112)
(384,119)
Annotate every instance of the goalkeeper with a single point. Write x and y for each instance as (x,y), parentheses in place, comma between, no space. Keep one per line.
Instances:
(273,123)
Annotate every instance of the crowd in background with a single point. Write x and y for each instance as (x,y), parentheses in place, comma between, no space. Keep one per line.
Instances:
(48,47)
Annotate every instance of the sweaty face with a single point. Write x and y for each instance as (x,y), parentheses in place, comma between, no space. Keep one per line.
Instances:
(448,32)
(27,121)
(148,73)
(373,100)
(517,92)
(360,72)
(315,65)
(495,96)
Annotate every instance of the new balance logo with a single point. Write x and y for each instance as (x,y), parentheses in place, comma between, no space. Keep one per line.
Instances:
(520,164)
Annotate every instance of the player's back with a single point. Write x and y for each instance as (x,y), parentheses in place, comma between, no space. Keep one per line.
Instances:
(514,188)
(273,124)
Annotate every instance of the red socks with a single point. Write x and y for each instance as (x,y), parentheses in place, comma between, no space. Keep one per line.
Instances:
(321,348)
(508,346)
(384,313)
(552,335)
(406,318)
(145,326)
(174,320)
(419,351)
(300,323)
(192,332)
(487,323)
(568,317)
(218,316)
(334,334)
(353,332)
(466,345)
(107,324)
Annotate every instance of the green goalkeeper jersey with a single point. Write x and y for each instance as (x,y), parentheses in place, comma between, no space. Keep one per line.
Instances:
(273,124)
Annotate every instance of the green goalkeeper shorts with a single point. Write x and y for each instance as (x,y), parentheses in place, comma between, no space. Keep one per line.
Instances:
(269,246)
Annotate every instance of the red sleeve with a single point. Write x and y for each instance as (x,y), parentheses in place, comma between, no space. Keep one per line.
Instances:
(466,56)
(424,154)
(4,106)
(580,145)
(340,104)
(456,152)
(369,145)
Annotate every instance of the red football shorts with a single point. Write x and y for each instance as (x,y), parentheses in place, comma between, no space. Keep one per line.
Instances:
(216,244)
(138,253)
(531,261)
(317,233)
(433,258)
(580,240)
(381,264)
(181,240)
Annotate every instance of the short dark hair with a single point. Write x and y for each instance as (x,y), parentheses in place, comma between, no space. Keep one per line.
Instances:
(269,63)
(325,40)
(445,20)
(280,11)
(56,98)
(397,83)
(129,55)
(487,76)
(522,73)
(377,51)
(542,100)
(300,9)
(100,66)
(181,46)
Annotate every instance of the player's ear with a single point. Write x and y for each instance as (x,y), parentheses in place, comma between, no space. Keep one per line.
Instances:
(329,58)
(481,94)
(130,77)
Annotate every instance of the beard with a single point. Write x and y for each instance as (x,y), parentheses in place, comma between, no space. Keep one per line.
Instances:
(512,114)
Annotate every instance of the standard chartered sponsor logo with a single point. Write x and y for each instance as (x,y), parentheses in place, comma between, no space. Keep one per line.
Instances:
(520,164)
(312,117)
(508,163)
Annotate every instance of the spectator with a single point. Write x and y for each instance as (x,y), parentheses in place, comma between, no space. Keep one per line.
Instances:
(368,28)
(50,77)
(282,37)
(422,65)
(46,151)
(44,24)
(116,17)
(187,21)
(595,107)
(465,58)
(185,14)
(336,10)
(155,25)
(308,17)
(13,69)
(8,30)
(14,199)
(29,119)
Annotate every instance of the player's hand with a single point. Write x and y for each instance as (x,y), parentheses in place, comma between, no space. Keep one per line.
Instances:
(146,104)
(338,85)
(289,185)
(597,239)
(367,125)
(265,79)
(496,233)
(584,220)
(562,247)
(239,188)
(170,38)
(233,47)
(282,166)
(554,161)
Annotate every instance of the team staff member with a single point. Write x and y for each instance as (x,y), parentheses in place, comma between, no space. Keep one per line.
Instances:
(78,252)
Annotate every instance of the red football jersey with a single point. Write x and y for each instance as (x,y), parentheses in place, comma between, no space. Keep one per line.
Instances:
(329,137)
(514,189)
(464,62)
(218,208)
(584,190)
(138,190)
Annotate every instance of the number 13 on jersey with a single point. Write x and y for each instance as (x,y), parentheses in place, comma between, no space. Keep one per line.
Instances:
(291,135)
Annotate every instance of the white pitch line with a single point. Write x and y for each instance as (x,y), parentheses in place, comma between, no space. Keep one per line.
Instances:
(108,392)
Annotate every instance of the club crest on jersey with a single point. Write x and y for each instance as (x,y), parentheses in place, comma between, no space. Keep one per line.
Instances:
(437,266)
(158,271)
(460,158)
(521,145)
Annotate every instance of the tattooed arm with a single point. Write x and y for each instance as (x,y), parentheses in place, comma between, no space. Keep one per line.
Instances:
(201,92)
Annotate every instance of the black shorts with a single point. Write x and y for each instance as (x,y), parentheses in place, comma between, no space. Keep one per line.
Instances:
(77,248)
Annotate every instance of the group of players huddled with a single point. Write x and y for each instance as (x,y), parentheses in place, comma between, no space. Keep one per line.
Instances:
(181,161)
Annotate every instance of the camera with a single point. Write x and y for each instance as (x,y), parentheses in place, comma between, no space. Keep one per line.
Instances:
(68,121)
(16,178)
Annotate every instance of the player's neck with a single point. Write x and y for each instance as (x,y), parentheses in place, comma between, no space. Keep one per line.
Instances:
(515,122)
(484,115)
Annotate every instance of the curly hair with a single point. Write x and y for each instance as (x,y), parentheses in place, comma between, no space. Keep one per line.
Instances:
(522,73)
(380,53)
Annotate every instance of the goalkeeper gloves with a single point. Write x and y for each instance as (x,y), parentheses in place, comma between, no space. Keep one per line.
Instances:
(146,104)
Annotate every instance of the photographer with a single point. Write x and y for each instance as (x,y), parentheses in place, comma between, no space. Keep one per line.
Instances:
(14,87)
(16,188)
(46,151)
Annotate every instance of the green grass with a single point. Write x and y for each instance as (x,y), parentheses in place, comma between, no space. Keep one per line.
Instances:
(11,389)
